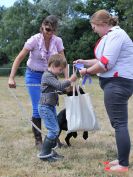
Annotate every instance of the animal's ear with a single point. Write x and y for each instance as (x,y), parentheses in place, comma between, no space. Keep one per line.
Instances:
(81,90)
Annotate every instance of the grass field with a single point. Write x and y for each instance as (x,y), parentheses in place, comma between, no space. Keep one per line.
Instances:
(18,156)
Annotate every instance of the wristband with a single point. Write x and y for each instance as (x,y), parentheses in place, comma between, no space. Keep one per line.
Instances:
(86,71)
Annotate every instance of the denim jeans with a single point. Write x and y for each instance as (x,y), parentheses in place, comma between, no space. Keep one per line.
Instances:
(116,94)
(49,116)
(32,77)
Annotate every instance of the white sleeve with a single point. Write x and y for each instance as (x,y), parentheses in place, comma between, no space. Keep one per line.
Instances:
(112,49)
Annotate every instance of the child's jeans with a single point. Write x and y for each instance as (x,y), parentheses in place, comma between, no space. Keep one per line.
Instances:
(48,114)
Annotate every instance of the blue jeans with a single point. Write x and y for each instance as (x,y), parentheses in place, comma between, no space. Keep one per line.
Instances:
(49,116)
(32,77)
(117,91)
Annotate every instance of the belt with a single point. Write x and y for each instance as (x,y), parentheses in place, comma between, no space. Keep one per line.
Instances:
(33,70)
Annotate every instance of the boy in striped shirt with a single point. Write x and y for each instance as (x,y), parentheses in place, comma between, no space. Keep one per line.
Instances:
(50,86)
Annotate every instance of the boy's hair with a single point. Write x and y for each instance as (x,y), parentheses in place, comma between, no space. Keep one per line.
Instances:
(57,60)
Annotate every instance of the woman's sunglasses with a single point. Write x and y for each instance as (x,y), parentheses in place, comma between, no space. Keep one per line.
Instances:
(48,29)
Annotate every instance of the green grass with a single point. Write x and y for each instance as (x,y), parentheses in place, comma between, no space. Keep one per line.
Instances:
(18,154)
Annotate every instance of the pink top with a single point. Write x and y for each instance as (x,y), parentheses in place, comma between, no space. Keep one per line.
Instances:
(38,57)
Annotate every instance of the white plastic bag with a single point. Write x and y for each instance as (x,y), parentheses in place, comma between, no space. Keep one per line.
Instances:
(79,113)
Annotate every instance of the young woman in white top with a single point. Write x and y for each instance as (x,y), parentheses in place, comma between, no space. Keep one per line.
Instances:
(114,65)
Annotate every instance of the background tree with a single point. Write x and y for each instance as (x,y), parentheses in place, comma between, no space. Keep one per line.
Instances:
(18,23)
(23,19)
(125,13)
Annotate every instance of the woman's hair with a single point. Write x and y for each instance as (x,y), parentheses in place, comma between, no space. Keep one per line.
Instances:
(103,17)
(57,60)
(51,21)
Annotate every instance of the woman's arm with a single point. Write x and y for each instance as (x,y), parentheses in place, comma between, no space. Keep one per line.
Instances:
(96,68)
(87,63)
(16,63)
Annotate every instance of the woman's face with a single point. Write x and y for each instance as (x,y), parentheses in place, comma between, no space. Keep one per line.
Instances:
(47,30)
(99,29)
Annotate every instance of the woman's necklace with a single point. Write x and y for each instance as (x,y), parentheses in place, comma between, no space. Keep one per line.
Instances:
(47,44)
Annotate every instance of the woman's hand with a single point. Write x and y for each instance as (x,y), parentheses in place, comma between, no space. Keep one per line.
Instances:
(78,61)
(11,83)
(83,71)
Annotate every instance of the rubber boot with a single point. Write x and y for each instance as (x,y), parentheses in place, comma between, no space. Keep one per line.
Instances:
(47,152)
(47,148)
(37,134)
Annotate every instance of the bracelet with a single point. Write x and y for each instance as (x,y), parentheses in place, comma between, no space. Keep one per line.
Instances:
(86,71)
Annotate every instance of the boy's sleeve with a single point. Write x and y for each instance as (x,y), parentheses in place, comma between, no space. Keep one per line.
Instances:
(57,84)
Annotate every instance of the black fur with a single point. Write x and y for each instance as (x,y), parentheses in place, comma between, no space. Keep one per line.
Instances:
(63,123)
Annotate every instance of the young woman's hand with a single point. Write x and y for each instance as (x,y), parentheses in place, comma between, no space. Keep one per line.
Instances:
(78,61)
(83,71)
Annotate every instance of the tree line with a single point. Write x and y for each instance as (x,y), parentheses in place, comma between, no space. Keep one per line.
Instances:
(23,19)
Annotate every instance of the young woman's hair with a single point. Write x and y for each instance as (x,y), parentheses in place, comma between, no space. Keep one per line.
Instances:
(51,21)
(57,60)
(103,17)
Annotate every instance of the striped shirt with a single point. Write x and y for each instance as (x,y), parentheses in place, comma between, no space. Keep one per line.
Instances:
(49,87)
(115,52)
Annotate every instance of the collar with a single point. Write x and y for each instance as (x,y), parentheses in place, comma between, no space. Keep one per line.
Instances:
(113,28)
(52,74)
(41,40)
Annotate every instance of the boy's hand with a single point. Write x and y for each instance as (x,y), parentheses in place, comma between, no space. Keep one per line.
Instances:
(73,78)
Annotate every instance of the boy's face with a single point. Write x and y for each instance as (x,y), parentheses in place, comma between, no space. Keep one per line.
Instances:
(57,70)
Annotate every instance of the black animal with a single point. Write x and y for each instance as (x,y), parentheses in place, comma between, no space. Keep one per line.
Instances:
(63,123)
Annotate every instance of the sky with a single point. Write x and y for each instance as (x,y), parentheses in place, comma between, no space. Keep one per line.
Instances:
(8,3)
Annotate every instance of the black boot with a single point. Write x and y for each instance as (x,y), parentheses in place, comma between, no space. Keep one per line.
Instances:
(37,134)
(47,148)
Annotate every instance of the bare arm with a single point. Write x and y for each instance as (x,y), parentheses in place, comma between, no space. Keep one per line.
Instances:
(87,63)
(66,69)
(96,68)
(16,63)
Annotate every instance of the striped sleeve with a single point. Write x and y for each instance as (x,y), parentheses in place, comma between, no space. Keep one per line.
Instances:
(57,84)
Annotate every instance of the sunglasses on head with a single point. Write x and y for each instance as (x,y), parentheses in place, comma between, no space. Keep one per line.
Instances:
(48,29)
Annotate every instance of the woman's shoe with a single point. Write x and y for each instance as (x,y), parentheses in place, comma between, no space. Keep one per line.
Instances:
(112,163)
(116,168)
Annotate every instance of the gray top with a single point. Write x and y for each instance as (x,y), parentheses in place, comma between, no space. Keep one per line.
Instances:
(49,87)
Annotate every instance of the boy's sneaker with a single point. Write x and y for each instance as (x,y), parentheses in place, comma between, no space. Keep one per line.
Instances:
(116,168)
